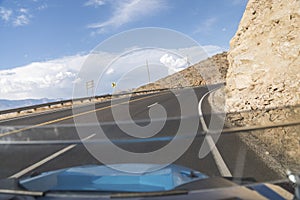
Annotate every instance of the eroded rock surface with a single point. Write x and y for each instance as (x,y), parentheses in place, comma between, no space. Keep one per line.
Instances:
(264,57)
(264,79)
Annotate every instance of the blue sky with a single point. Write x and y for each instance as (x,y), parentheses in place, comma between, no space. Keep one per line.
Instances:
(47,31)
(38,30)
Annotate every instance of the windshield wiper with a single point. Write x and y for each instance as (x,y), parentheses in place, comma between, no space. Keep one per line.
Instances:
(91,194)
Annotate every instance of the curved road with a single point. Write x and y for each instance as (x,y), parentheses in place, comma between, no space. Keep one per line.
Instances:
(22,160)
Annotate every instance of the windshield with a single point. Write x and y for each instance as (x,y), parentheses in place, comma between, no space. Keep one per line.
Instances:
(148,96)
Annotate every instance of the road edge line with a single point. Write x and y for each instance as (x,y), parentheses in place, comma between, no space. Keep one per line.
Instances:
(221,165)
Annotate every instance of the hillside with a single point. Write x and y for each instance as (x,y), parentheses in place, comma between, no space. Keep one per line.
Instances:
(194,75)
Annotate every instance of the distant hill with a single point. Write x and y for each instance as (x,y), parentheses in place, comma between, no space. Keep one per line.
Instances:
(9,104)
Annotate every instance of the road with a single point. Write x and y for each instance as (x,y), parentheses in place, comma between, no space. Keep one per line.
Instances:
(22,160)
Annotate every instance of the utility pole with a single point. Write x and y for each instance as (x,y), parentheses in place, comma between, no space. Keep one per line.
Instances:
(148,71)
(188,61)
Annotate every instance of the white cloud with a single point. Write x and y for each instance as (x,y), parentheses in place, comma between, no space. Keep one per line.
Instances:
(56,78)
(95,3)
(51,79)
(77,81)
(23,10)
(170,61)
(18,17)
(5,14)
(191,56)
(206,25)
(110,71)
(21,20)
(128,11)
(42,7)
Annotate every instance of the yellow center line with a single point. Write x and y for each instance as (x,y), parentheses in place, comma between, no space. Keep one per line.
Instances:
(76,115)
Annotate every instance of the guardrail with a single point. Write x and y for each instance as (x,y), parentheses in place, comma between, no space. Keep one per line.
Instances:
(35,107)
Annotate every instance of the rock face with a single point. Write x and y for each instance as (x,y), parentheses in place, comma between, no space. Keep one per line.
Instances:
(264,57)
(264,78)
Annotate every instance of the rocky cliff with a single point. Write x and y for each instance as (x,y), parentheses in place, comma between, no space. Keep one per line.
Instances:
(264,57)
(264,78)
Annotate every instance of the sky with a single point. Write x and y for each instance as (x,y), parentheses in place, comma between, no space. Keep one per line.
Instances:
(44,43)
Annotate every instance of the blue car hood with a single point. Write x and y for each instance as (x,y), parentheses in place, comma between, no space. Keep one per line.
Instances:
(106,178)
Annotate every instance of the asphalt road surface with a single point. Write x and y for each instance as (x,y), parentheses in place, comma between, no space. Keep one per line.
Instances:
(56,127)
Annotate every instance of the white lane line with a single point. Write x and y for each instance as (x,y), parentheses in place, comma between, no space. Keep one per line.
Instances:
(36,165)
(200,109)
(223,169)
(152,105)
